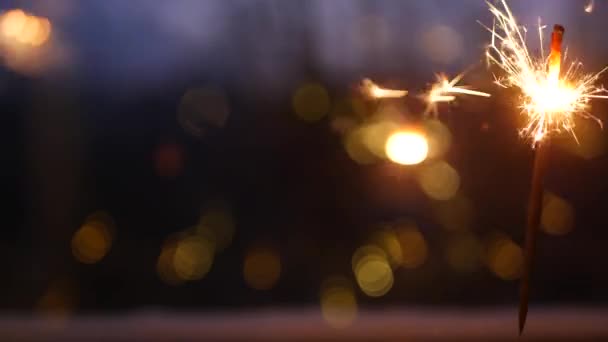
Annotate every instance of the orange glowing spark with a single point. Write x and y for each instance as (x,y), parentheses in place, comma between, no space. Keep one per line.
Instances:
(549,100)
(444,91)
(374,91)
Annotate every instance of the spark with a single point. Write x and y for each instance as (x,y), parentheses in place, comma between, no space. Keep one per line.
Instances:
(589,6)
(374,91)
(445,90)
(549,100)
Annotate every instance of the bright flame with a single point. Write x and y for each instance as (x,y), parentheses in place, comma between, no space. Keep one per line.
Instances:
(444,91)
(407,148)
(549,102)
(374,91)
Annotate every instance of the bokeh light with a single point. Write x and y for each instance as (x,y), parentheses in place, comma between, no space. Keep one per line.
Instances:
(375,136)
(464,253)
(189,255)
(262,267)
(438,137)
(372,270)
(165,266)
(28,31)
(366,132)
(59,299)
(26,46)
(455,214)
(357,149)
(12,23)
(338,302)
(504,257)
(193,257)
(414,248)
(342,124)
(311,102)
(20,27)
(169,160)
(557,216)
(24,28)
(407,147)
(306,193)
(439,180)
(104,218)
(442,44)
(93,240)
(202,110)
(389,242)
(352,107)
(218,224)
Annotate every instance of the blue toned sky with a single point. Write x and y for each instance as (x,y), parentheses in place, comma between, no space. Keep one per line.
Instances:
(137,42)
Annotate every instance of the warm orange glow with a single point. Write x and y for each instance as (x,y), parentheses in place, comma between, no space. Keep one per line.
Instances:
(407,148)
(218,224)
(438,136)
(439,180)
(504,258)
(165,264)
(91,242)
(24,28)
(262,268)
(389,242)
(12,23)
(193,257)
(557,216)
(29,31)
(372,270)
(549,100)
(413,246)
(338,302)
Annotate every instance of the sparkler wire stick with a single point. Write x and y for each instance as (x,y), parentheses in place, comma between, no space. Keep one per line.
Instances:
(536,192)
(534,212)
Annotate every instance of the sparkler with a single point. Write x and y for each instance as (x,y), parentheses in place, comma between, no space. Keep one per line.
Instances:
(445,90)
(374,91)
(550,100)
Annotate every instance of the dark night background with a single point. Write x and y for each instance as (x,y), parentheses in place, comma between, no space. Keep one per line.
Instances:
(151,114)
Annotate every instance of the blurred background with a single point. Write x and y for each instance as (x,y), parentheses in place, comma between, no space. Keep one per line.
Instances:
(219,156)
